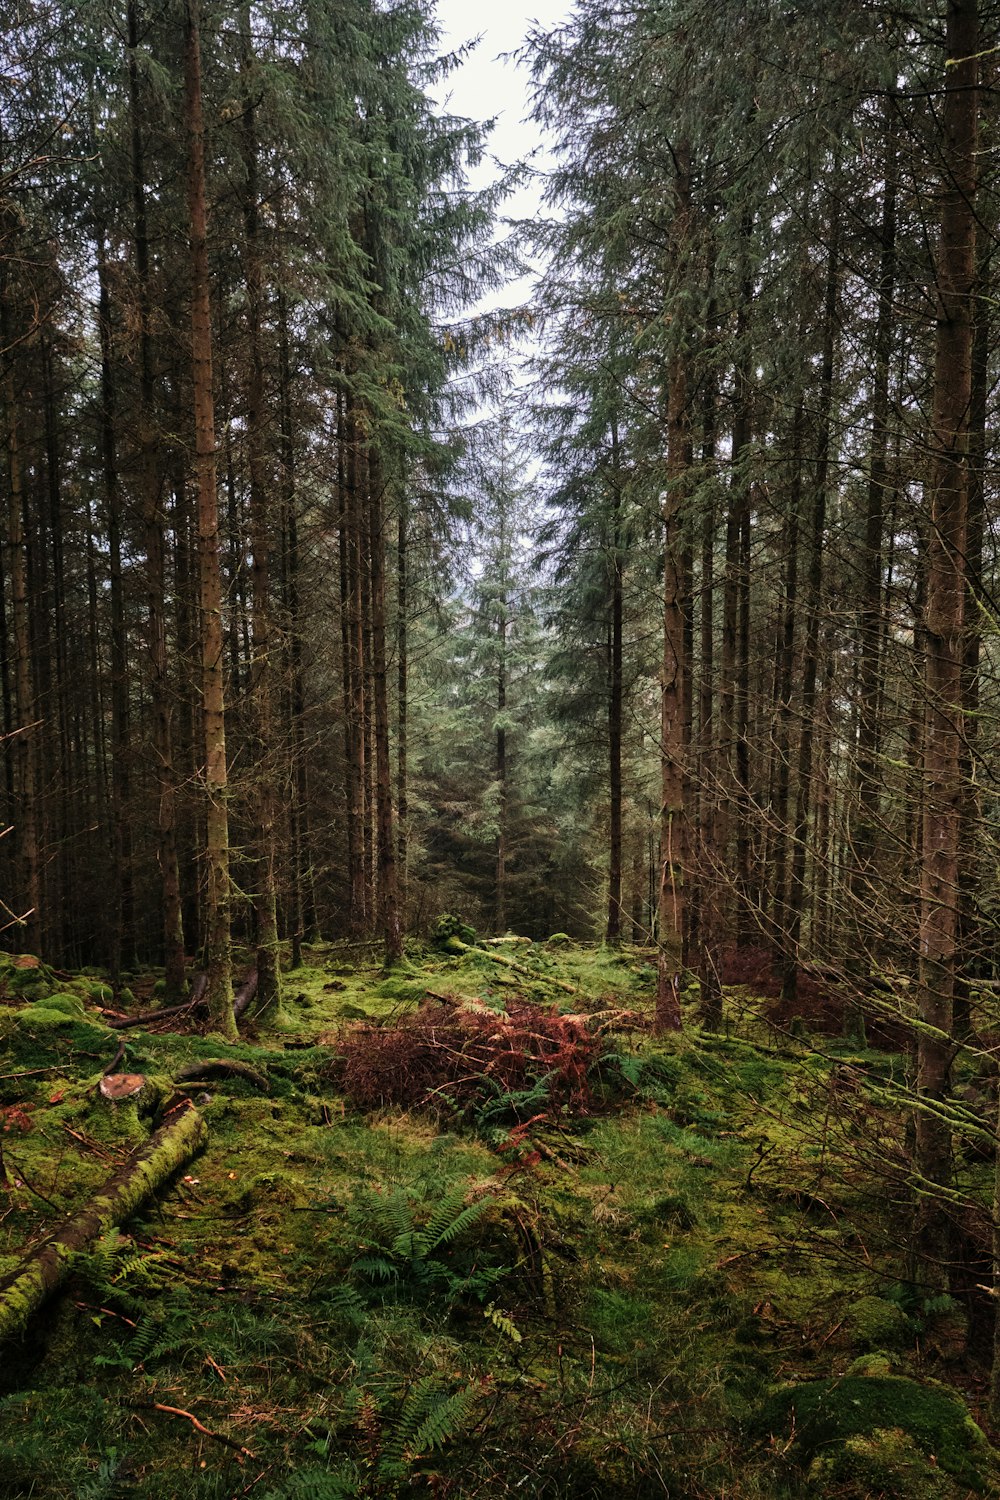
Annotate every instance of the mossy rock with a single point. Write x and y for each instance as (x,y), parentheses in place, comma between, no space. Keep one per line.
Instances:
(872,1365)
(39,1017)
(66,1004)
(823,1416)
(102,994)
(37,991)
(874,1323)
(882,1465)
(559,940)
(23,972)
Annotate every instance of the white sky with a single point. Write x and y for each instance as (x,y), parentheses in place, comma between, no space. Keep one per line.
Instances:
(486,86)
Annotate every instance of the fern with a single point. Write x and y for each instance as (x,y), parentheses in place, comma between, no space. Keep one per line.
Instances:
(444,1422)
(502,1323)
(429,1417)
(424,1259)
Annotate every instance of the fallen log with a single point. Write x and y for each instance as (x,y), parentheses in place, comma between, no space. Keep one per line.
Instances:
(196,999)
(43,1272)
(455,945)
(219,1067)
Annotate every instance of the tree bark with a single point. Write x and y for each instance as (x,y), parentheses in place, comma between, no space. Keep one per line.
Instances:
(673,777)
(388,888)
(217,916)
(615,697)
(262,675)
(151,500)
(804,793)
(948,443)
(28,899)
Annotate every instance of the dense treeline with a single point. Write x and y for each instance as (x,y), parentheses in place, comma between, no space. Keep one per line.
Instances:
(226,238)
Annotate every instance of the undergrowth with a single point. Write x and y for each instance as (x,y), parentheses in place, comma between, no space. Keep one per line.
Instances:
(517,1249)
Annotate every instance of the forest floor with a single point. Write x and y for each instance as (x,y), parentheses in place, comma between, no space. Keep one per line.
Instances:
(470,1230)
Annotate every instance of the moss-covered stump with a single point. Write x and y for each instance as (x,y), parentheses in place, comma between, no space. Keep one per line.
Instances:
(43,1272)
(127,1099)
(841,1422)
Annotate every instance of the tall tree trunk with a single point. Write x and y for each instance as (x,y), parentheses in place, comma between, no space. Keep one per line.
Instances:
(870,626)
(673,695)
(218,955)
(355,680)
(121,930)
(27,900)
(295,696)
(262,674)
(943,635)
(388,889)
(615,696)
(810,648)
(711,821)
(402,700)
(151,490)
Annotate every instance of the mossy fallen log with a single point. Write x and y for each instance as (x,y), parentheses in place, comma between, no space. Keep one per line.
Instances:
(455,945)
(42,1272)
(219,1067)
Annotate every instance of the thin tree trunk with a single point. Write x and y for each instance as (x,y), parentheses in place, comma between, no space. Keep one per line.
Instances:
(673,696)
(870,627)
(615,698)
(804,793)
(943,635)
(388,889)
(27,900)
(151,495)
(402,701)
(122,931)
(262,675)
(217,938)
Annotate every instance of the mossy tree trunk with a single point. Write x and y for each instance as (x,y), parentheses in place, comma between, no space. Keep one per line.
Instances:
(673,777)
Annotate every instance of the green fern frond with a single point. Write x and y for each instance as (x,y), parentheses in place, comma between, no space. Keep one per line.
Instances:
(418,1402)
(376,1268)
(443,1423)
(457,1226)
(502,1323)
(444,1213)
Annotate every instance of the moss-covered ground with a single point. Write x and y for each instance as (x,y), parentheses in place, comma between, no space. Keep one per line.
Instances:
(696,1289)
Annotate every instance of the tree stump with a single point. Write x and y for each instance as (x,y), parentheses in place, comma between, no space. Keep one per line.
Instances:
(127,1099)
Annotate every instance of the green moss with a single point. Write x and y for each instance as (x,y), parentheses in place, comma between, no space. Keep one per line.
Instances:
(873,1323)
(885,1463)
(871,1365)
(68,1005)
(821,1415)
(39,1016)
(397,988)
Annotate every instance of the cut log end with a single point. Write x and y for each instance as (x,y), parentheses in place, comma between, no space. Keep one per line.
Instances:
(117,1088)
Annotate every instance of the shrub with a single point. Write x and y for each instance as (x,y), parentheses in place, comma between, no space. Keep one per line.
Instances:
(507,1068)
